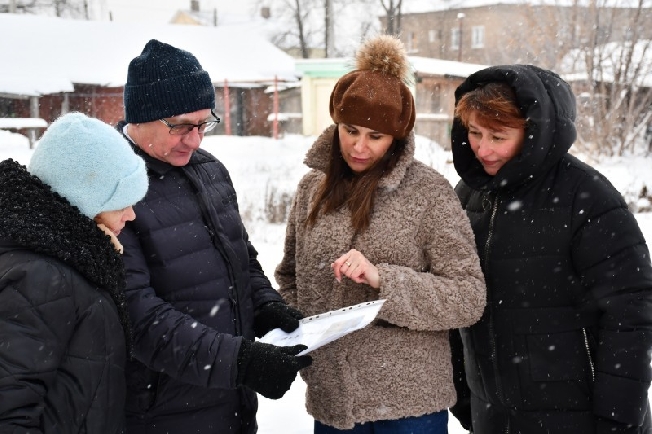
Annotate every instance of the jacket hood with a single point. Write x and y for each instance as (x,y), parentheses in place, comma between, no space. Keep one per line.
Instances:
(318,157)
(34,217)
(548,104)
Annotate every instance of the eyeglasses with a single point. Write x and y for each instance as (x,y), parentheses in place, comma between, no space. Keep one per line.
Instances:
(183,129)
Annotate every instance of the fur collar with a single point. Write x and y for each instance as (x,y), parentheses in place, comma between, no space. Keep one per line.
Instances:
(34,217)
(318,157)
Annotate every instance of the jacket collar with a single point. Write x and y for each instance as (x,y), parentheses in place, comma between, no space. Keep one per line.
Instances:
(35,217)
(318,157)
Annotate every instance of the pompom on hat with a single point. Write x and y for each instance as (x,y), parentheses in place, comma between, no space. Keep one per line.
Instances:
(165,81)
(375,95)
(90,164)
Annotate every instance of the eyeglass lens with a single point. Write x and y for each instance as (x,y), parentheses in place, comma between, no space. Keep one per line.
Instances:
(187,128)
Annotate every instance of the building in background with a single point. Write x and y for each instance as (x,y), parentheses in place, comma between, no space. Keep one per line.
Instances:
(82,66)
(512,31)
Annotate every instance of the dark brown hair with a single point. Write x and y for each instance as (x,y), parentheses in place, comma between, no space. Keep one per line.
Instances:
(342,186)
(494,105)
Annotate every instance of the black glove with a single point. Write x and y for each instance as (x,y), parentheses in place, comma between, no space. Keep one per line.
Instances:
(268,369)
(462,412)
(275,315)
(608,426)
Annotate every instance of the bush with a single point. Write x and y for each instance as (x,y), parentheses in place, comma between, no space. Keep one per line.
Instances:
(277,204)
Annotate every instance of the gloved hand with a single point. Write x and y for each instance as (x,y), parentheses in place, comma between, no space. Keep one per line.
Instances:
(268,369)
(608,426)
(114,239)
(275,315)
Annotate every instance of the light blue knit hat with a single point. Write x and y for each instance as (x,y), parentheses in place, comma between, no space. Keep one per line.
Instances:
(89,163)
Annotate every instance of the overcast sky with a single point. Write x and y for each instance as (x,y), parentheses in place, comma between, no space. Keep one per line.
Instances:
(161,11)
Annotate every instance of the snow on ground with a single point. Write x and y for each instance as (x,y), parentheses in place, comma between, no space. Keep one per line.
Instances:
(265,171)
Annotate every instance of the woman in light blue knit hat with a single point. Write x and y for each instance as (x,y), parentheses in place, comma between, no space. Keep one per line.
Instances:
(64,329)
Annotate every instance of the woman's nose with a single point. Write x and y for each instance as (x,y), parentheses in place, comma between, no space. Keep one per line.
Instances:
(485,147)
(130,214)
(360,144)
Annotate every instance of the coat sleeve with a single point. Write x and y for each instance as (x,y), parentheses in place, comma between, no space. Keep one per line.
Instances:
(462,408)
(36,308)
(166,339)
(611,256)
(451,292)
(261,288)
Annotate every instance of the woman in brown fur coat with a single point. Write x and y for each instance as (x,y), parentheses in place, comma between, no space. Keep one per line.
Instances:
(370,222)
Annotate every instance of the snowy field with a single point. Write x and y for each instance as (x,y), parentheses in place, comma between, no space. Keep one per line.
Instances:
(265,172)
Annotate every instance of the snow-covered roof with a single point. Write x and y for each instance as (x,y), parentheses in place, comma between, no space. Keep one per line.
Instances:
(41,55)
(23,123)
(427,65)
(421,6)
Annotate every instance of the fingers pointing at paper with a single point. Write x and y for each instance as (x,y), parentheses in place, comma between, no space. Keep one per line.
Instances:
(356,267)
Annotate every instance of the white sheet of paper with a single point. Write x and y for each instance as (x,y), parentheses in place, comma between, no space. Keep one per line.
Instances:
(318,330)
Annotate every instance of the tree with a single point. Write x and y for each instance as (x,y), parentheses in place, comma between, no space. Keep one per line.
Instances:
(393,16)
(612,77)
(59,8)
(320,28)
(294,25)
(602,47)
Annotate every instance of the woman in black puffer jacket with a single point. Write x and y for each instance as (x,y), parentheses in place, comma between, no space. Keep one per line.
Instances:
(63,321)
(564,343)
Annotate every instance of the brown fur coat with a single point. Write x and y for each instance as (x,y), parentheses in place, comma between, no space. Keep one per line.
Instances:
(421,241)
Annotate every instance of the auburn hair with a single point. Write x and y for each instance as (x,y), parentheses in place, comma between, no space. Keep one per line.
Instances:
(343,187)
(494,106)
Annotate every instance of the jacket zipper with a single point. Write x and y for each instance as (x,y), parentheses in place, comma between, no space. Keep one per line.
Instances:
(588,354)
(492,334)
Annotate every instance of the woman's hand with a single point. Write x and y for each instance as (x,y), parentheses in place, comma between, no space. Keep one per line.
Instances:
(356,267)
(114,239)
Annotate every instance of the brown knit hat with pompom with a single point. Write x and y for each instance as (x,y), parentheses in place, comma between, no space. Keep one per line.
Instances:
(375,94)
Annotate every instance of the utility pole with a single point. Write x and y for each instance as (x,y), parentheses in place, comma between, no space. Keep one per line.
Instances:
(12,6)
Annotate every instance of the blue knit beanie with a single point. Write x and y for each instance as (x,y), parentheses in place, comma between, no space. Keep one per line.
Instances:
(165,81)
(89,163)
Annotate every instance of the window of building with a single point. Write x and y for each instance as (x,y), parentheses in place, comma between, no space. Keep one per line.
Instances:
(455,39)
(435,99)
(412,45)
(603,34)
(429,98)
(477,37)
(432,35)
(629,33)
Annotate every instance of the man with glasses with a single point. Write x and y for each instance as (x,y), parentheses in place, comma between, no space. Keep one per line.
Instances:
(196,294)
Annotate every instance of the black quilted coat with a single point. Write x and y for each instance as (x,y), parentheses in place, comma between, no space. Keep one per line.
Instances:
(193,282)
(62,346)
(564,343)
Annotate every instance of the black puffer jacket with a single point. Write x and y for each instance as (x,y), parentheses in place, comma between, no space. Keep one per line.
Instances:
(62,346)
(564,343)
(193,282)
